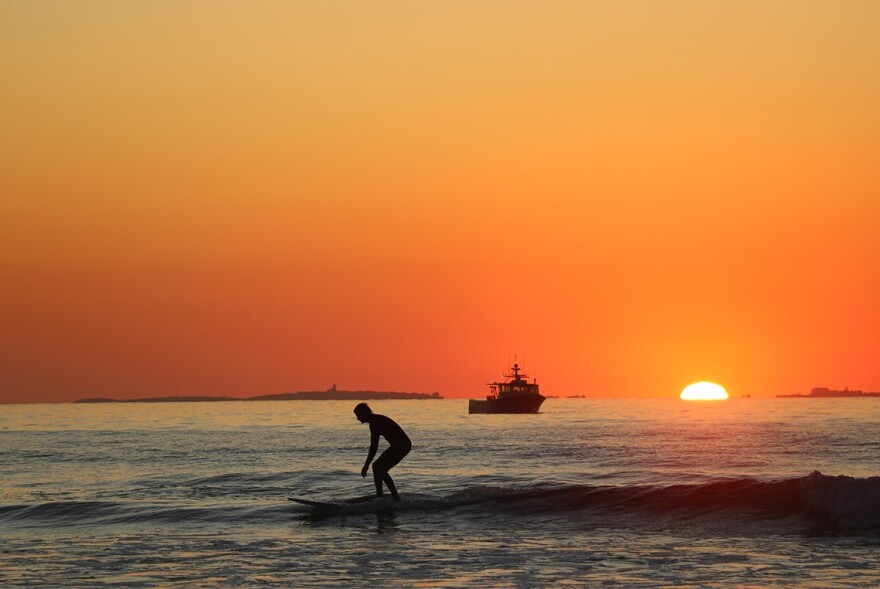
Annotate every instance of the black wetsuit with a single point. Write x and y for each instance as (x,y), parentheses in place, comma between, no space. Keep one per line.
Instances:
(399,442)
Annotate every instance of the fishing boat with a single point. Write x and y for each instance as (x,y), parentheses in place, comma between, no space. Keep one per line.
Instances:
(514,395)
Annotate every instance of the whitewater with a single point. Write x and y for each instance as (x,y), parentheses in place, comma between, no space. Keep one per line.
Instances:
(590,492)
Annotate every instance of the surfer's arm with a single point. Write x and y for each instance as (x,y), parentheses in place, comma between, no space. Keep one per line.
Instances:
(374,445)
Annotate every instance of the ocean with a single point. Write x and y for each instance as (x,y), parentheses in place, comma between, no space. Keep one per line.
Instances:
(588,493)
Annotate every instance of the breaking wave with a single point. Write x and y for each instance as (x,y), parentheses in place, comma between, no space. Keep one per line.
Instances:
(829,503)
(832,503)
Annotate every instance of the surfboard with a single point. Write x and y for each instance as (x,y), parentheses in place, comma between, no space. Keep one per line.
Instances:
(341,503)
(311,503)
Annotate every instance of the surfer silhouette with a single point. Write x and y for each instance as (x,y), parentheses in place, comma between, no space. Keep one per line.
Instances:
(399,446)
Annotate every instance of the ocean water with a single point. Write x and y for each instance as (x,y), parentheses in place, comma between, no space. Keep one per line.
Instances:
(611,493)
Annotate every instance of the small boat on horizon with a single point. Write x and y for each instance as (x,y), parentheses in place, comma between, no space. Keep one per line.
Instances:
(514,395)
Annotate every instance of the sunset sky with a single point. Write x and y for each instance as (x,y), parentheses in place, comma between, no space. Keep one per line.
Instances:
(239,198)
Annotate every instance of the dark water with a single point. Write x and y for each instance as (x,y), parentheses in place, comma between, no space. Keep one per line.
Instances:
(648,493)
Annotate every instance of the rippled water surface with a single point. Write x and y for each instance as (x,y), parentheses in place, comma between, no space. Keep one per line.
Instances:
(746,492)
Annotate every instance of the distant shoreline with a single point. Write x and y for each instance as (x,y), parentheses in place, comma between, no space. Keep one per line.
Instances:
(329,395)
(825,393)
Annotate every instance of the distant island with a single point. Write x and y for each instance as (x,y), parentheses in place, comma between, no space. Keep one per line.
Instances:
(825,393)
(173,399)
(331,394)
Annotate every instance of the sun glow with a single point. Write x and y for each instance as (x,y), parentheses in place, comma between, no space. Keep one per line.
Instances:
(704,391)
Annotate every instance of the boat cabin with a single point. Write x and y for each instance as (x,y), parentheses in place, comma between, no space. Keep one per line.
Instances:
(514,386)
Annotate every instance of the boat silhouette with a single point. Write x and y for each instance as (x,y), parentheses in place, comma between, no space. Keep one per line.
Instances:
(513,395)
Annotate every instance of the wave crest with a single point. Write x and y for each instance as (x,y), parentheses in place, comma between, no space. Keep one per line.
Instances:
(817,502)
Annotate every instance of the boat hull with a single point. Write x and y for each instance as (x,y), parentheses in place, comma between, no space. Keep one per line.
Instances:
(516,404)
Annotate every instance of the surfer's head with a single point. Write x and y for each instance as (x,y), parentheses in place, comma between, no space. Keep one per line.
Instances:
(362,411)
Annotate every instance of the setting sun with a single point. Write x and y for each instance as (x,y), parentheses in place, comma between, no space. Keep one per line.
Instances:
(704,391)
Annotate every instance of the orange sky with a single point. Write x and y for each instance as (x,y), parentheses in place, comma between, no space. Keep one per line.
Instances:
(243,198)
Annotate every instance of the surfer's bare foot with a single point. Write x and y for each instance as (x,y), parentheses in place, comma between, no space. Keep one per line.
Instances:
(396,497)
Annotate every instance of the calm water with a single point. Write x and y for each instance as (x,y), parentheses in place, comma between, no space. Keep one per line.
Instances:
(629,493)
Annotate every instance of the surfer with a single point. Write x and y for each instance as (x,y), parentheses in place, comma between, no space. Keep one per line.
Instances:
(399,446)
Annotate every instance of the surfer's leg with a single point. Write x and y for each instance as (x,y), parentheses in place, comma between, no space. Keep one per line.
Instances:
(381,476)
(383,464)
(391,488)
(377,478)
(380,472)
